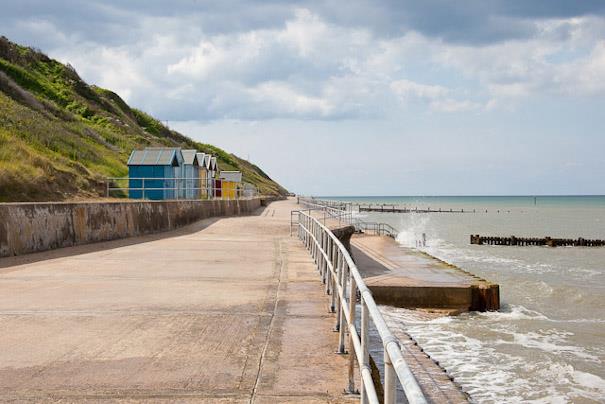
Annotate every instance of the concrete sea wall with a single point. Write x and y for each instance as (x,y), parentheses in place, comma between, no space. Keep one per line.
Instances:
(33,227)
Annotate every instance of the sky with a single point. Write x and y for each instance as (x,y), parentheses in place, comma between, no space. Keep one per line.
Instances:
(345,97)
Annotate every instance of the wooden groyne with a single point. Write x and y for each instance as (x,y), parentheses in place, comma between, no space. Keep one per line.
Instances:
(403,209)
(385,208)
(531,241)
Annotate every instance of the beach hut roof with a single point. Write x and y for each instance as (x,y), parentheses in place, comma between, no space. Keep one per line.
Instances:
(213,164)
(207,160)
(155,156)
(190,157)
(231,176)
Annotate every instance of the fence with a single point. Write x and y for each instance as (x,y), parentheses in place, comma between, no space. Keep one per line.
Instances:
(343,213)
(175,188)
(344,283)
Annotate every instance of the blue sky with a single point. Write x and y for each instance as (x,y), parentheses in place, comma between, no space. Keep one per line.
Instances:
(356,97)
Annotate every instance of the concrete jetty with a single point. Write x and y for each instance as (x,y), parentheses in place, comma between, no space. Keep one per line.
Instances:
(404,277)
(223,310)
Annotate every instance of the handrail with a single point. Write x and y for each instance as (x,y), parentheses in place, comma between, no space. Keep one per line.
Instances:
(179,188)
(342,213)
(341,275)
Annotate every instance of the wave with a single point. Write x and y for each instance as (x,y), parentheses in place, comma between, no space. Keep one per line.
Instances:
(497,371)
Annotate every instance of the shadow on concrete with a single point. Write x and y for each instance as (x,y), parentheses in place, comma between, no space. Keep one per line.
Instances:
(366,265)
(8,262)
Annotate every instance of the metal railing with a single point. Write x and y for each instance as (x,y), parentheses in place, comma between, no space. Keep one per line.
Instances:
(381,229)
(342,213)
(344,283)
(175,188)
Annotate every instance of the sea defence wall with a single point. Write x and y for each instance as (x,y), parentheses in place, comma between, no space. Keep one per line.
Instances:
(405,277)
(33,227)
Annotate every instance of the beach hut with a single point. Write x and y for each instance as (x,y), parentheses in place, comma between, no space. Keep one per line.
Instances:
(209,176)
(230,183)
(203,175)
(190,172)
(153,173)
(215,185)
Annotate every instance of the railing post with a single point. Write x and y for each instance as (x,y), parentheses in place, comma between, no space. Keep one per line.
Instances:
(312,241)
(335,305)
(365,352)
(143,182)
(308,227)
(326,279)
(342,306)
(333,281)
(352,315)
(390,385)
(322,249)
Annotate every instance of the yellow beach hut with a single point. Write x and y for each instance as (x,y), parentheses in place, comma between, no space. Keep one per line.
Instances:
(230,183)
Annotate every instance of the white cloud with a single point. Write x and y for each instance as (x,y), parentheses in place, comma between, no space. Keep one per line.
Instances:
(310,66)
(453,105)
(438,97)
(407,88)
(281,97)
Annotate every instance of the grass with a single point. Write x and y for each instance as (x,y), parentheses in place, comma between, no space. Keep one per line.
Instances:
(60,137)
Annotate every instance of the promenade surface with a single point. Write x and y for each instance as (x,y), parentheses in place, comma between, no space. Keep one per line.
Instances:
(225,310)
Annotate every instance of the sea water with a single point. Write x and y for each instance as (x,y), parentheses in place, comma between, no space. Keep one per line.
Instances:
(547,343)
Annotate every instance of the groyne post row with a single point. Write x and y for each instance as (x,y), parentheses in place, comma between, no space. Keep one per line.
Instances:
(33,227)
(343,284)
(535,241)
(400,209)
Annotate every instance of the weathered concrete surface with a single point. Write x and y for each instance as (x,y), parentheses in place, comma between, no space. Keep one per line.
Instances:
(32,227)
(228,310)
(403,277)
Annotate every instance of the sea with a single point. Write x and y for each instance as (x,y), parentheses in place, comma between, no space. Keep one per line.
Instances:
(547,343)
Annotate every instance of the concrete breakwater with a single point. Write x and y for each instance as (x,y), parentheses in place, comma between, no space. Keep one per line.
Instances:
(403,277)
(33,227)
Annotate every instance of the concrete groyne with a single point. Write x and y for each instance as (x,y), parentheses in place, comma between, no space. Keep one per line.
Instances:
(403,277)
(33,227)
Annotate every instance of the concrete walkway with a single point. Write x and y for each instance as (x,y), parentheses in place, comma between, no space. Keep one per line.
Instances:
(225,310)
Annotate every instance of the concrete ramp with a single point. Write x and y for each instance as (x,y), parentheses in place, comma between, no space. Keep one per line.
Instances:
(404,277)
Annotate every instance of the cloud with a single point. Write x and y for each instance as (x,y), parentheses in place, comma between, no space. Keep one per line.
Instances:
(407,88)
(438,97)
(321,60)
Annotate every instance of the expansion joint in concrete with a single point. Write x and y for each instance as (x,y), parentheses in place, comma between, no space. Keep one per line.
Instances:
(280,262)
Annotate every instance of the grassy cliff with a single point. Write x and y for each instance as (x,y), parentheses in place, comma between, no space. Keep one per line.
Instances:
(59,137)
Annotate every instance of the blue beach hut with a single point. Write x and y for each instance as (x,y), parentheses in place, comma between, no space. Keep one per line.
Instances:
(154,173)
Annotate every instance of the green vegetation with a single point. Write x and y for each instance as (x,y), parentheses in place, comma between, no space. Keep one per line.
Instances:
(60,137)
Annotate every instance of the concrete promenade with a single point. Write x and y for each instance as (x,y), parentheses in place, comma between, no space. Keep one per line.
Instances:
(224,310)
